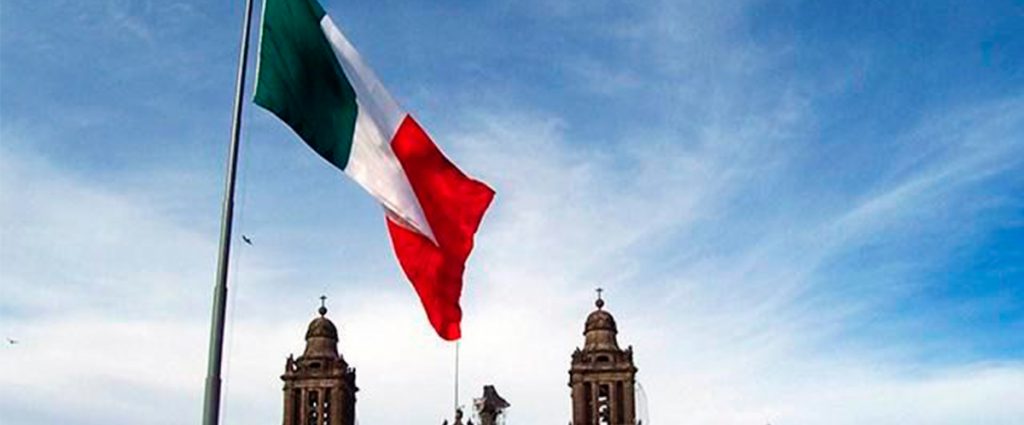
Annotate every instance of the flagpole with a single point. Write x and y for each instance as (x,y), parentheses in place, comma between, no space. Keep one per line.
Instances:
(456,377)
(211,399)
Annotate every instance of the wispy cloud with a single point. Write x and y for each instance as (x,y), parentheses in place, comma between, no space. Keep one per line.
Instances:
(724,334)
(754,238)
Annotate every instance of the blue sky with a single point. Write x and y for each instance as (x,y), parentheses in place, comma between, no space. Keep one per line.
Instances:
(803,212)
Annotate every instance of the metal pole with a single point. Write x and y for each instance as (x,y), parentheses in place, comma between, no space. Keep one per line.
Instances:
(211,400)
(456,376)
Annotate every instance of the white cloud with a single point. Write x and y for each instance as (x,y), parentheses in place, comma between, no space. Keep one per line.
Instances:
(716,282)
(721,337)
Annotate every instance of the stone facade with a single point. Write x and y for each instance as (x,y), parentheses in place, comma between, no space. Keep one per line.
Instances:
(602,376)
(319,386)
(490,406)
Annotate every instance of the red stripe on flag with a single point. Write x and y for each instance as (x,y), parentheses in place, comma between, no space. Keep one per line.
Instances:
(453,204)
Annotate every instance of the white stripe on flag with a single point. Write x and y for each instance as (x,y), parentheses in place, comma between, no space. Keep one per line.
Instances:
(372,163)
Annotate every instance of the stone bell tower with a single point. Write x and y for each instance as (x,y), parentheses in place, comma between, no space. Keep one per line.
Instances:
(602,376)
(319,386)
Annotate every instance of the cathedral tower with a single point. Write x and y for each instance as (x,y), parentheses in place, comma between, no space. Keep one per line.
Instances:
(319,386)
(602,376)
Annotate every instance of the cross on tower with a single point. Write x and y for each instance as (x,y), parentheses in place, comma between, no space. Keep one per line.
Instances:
(600,302)
(323,305)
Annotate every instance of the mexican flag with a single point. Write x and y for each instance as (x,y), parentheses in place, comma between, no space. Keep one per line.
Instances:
(311,77)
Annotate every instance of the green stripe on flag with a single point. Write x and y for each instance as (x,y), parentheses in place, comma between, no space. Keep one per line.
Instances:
(300,80)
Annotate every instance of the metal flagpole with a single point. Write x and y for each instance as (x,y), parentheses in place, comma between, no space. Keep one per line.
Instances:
(211,400)
(456,376)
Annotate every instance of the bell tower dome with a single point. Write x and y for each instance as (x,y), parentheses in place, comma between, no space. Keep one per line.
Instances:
(319,386)
(602,376)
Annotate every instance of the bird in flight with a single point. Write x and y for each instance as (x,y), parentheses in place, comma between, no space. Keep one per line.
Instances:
(11,341)
(246,240)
